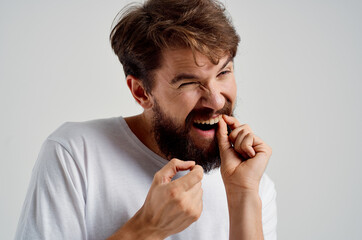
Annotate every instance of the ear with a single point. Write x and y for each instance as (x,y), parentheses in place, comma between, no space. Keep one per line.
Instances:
(139,93)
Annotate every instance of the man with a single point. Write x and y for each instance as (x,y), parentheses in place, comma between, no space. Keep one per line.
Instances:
(140,177)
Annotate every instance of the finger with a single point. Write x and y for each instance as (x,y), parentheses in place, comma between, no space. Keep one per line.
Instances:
(222,136)
(237,145)
(190,179)
(260,146)
(166,173)
(195,194)
(231,121)
(244,145)
(243,129)
(257,141)
(229,157)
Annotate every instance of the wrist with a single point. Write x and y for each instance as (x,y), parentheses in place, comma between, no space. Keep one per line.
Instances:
(242,197)
(137,228)
(245,216)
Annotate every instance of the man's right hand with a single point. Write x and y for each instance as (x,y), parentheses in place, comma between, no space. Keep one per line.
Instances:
(170,206)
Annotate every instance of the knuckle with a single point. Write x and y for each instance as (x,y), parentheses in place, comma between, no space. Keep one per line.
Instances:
(195,214)
(267,148)
(192,214)
(199,173)
(238,148)
(173,162)
(245,144)
(249,134)
(247,126)
(194,217)
(199,177)
(157,176)
(188,211)
(181,204)
(232,135)
(240,134)
(173,192)
(241,131)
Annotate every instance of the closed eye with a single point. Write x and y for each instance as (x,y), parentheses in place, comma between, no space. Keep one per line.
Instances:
(224,73)
(188,83)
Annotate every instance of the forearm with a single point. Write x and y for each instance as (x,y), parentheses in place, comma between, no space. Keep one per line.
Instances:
(245,216)
(134,229)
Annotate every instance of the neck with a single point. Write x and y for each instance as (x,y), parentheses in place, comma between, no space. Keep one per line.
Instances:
(141,126)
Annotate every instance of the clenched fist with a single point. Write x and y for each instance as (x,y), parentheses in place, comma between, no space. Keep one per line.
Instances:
(170,206)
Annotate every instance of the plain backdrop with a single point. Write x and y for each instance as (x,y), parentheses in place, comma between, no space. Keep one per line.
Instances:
(298,70)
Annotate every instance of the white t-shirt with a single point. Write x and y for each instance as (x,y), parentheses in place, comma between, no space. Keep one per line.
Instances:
(91,177)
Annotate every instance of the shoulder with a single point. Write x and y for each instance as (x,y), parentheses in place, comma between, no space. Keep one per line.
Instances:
(72,129)
(74,146)
(71,133)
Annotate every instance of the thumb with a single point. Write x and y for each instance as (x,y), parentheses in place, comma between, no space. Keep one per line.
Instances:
(228,156)
(175,165)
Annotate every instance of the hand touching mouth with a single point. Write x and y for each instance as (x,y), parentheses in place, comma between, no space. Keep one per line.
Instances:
(207,124)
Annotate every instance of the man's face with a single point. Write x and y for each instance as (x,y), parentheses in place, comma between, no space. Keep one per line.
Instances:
(188,100)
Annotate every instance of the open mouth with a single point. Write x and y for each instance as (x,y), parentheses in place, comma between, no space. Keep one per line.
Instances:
(208,124)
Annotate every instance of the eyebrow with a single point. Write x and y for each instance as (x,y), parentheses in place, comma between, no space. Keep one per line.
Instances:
(186,76)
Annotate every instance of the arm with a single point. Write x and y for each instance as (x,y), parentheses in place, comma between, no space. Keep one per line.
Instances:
(245,216)
(244,157)
(170,206)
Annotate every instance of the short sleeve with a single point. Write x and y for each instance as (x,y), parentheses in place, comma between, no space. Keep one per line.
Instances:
(54,206)
(269,208)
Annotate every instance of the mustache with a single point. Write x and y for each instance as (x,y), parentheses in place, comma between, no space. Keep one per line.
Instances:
(206,113)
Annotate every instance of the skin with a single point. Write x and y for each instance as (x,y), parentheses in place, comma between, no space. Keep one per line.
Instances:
(171,206)
(210,87)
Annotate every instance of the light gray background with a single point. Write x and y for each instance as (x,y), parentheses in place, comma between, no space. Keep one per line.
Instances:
(299,84)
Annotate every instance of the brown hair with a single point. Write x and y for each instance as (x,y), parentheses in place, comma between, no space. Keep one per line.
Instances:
(144,30)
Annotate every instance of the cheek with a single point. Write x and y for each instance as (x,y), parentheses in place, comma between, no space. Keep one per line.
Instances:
(179,105)
(186,102)
(233,91)
(229,90)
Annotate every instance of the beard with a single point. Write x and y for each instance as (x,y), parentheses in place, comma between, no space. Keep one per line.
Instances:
(174,140)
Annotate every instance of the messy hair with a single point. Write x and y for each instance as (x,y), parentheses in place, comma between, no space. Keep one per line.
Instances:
(143,31)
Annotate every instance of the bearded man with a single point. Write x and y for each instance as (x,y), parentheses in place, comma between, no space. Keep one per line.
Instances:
(140,177)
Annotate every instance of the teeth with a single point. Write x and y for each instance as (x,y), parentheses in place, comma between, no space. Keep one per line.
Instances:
(209,121)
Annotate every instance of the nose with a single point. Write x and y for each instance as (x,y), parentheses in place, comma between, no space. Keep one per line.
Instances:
(212,98)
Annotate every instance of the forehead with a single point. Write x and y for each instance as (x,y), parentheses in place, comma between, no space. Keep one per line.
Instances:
(175,61)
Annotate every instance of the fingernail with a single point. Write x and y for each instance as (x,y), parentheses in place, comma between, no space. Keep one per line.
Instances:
(251,154)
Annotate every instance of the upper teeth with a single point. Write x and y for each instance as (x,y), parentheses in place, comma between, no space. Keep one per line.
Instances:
(209,121)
